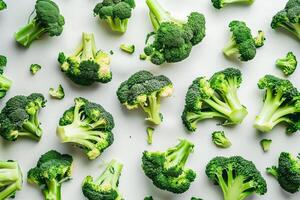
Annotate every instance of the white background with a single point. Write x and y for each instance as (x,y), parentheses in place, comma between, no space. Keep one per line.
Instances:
(130,136)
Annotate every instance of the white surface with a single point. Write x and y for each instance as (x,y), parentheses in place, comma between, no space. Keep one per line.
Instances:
(130,136)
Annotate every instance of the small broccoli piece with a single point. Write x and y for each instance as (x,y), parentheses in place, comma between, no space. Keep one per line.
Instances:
(241,43)
(51,171)
(87,65)
(128,48)
(214,98)
(2,5)
(173,39)
(259,40)
(265,144)
(47,20)
(34,68)
(115,13)
(287,173)
(221,3)
(11,179)
(219,138)
(167,169)
(19,117)
(106,186)
(148,198)
(88,126)
(5,83)
(57,93)
(150,131)
(143,56)
(237,177)
(196,198)
(288,64)
(281,105)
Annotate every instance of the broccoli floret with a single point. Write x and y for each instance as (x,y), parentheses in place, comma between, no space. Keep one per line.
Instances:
(5,83)
(148,198)
(288,64)
(172,39)
(87,65)
(219,138)
(281,105)
(57,93)
(106,186)
(115,13)
(10,179)
(145,90)
(287,173)
(265,144)
(237,177)
(47,20)
(2,5)
(241,43)
(150,131)
(259,40)
(34,68)
(19,117)
(88,126)
(214,98)
(196,198)
(221,3)
(128,48)
(51,171)
(167,169)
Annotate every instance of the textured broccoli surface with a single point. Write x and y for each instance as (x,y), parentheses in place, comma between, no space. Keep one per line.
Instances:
(288,64)
(88,126)
(259,40)
(237,177)
(34,68)
(221,3)
(219,138)
(265,144)
(2,5)
(57,93)
(87,65)
(128,48)
(5,83)
(167,169)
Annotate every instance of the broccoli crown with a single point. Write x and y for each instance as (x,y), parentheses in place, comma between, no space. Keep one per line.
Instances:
(145,90)
(288,172)
(87,65)
(11,179)
(57,93)
(167,169)
(106,186)
(288,64)
(2,5)
(34,68)
(259,40)
(214,98)
(88,126)
(241,42)
(47,20)
(172,39)
(115,12)
(281,105)
(19,117)
(237,177)
(51,171)
(219,138)
(221,3)
(5,83)
(265,144)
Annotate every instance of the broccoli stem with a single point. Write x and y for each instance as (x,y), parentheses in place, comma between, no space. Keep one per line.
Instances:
(238,1)
(111,175)
(293,28)
(88,47)
(150,131)
(116,24)
(53,190)
(152,108)
(231,48)
(31,130)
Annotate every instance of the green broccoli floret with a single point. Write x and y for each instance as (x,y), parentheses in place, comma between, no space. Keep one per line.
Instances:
(2,5)
(51,171)
(237,177)
(148,198)
(87,65)
(241,43)
(281,105)
(88,126)
(214,98)
(150,131)
(47,20)
(265,144)
(145,90)
(219,138)
(5,83)
(34,68)
(115,13)
(173,39)
(128,48)
(196,198)
(259,40)
(106,186)
(19,117)
(287,173)
(57,93)
(288,64)
(167,169)
(221,3)
(11,179)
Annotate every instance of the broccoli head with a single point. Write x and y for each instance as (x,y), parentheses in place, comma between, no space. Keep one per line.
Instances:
(115,13)
(51,171)
(57,93)
(167,169)
(47,20)
(288,64)
(237,177)
(219,138)
(145,90)
(281,105)
(11,179)
(5,83)
(2,5)
(87,65)
(172,39)
(19,117)
(34,68)
(88,126)
(265,144)
(214,98)
(221,3)
(106,186)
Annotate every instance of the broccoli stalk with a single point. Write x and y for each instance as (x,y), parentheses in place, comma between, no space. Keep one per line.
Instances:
(265,144)
(221,3)
(150,131)
(128,48)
